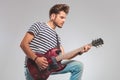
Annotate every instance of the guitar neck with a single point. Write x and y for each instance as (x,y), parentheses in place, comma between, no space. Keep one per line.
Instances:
(71,54)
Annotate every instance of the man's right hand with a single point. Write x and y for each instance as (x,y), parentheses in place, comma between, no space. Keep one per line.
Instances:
(42,62)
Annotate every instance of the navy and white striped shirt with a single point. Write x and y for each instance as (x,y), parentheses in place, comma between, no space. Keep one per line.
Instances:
(45,37)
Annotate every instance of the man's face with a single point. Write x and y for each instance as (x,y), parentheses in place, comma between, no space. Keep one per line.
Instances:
(59,19)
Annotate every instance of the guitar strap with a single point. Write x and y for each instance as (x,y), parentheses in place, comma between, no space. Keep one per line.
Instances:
(58,43)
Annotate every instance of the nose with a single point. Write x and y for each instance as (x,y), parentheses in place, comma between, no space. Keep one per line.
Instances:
(64,20)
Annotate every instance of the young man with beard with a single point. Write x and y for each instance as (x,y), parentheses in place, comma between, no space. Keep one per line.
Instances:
(42,37)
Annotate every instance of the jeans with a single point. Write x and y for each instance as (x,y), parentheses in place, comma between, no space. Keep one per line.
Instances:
(74,67)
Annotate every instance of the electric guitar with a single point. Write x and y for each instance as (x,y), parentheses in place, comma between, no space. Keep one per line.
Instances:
(54,59)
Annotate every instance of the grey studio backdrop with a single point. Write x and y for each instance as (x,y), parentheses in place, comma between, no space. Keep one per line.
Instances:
(87,20)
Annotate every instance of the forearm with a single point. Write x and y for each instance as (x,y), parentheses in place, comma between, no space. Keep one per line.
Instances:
(77,51)
(73,53)
(27,50)
(69,55)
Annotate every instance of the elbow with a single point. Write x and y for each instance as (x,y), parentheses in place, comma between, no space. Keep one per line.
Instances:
(21,45)
(24,45)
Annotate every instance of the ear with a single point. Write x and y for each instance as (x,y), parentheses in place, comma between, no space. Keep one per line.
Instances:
(52,16)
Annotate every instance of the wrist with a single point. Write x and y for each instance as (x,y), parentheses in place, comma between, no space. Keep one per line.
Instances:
(35,58)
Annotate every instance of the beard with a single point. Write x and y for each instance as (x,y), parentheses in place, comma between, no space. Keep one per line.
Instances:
(59,26)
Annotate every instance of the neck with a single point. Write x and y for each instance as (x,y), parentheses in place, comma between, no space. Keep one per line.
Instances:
(51,24)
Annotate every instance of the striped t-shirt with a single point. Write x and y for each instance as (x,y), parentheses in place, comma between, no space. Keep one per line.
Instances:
(45,38)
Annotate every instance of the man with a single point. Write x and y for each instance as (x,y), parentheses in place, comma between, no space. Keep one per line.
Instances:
(41,37)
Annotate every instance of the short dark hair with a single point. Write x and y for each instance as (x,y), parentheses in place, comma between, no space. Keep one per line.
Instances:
(59,7)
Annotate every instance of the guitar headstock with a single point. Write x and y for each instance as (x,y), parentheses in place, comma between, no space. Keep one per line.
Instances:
(97,42)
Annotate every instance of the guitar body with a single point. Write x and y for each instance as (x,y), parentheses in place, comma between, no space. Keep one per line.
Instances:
(54,66)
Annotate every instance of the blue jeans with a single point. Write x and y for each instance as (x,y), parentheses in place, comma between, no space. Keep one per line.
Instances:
(74,67)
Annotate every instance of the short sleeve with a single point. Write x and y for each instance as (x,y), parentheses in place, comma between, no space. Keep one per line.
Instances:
(35,29)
